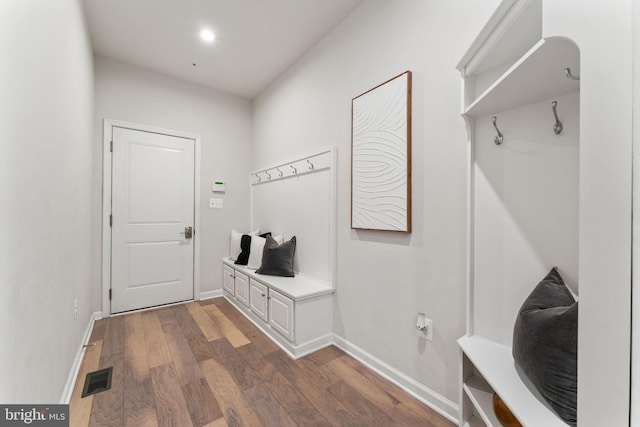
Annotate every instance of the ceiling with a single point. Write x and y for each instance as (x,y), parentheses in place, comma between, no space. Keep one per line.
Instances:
(256,40)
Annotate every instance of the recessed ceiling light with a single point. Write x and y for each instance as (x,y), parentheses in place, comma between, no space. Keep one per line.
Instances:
(207,35)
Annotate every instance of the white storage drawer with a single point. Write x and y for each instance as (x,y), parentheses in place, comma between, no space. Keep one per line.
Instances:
(258,299)
(242,288)
(281,314)
(295,312)
(228,276)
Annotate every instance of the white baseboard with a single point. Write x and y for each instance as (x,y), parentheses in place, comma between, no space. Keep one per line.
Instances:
(210,294)
(313,346)
(433,400)
(75,367)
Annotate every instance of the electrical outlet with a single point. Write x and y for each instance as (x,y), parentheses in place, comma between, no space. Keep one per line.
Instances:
(424,327)
(428,332)
(75,308)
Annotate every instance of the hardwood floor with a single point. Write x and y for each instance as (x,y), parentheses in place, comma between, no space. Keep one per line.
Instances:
(204,364)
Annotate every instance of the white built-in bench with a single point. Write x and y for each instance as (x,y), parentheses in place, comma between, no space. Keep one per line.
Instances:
(296,312)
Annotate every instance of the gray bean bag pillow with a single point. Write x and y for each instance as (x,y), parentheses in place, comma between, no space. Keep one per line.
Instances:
(545,344)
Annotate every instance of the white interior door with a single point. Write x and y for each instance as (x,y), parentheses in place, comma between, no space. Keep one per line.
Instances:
(152,208)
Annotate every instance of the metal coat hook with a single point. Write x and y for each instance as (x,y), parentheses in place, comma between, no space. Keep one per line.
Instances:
(294,169)
(268,174)
(279,172)
(557,127)
(567,72)
(498,138)
(310,165)
(259,178)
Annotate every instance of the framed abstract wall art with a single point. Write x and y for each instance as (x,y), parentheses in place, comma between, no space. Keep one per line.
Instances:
(381,157)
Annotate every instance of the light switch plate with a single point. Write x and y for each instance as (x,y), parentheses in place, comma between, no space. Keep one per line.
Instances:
(215,203)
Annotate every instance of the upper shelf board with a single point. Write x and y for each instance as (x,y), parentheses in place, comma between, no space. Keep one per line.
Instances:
(515,26)
(537,76)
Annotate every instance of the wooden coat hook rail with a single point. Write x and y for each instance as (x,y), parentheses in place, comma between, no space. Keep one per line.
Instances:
(305,165)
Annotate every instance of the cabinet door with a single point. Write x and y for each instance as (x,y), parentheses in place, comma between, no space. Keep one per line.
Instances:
(281,314)
(227,279)
(242,288)
(258,299)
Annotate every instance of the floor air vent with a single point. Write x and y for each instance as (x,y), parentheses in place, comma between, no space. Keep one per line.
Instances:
(97,381)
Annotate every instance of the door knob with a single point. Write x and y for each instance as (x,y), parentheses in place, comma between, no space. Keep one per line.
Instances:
(188,232)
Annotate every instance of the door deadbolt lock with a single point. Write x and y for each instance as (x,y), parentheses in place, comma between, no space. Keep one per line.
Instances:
(188,232)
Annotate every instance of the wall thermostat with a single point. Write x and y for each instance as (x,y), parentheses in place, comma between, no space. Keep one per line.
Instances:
(219,187)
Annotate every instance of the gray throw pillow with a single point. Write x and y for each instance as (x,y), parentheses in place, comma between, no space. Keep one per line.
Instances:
(545,344)
(277,260)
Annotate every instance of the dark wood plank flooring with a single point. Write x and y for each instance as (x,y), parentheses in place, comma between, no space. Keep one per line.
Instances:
(204,364)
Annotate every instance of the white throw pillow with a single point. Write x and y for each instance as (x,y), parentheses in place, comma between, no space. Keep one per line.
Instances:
(234,243)
(257,246)
(255,257)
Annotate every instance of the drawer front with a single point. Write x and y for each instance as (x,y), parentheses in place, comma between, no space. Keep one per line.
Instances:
(258,299)
(242,288)
(281,314)
(228,279)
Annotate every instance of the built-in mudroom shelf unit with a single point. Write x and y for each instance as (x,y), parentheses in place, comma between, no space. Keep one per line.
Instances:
(521,104)
(292,198)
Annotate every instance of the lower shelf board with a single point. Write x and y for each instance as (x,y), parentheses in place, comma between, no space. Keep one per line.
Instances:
(481,395)
(474,422)
(494,363)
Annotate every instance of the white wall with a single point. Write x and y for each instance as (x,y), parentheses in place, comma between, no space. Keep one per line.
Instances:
(385,279)
(525,209)
(605,228)
(46,106)
(132,94)
(635,327)
(276,208)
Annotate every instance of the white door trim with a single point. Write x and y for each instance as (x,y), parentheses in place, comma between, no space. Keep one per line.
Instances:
(107,132)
